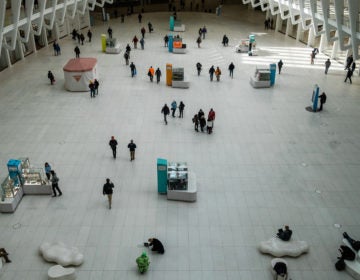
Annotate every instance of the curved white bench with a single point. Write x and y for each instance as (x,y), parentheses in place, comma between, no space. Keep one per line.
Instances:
(57,272)
(61,254)
(278,248)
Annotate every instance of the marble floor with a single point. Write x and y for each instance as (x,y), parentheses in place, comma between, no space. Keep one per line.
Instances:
(268,163)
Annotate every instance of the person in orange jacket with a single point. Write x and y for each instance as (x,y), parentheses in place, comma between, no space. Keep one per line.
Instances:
(151,73)
(217,73)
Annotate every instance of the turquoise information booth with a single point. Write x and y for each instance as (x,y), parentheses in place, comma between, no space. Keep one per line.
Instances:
(314,98)
(172,23)
(162,175)
(272,73)
(170,43)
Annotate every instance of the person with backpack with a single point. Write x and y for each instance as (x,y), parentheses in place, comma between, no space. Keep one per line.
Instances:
(166,111)
(55,183)
(195,120)
(322,98)
(218,74)
(108,190)
(151,73)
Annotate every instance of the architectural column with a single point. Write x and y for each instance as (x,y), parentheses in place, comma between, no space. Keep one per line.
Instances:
(310,40)
(20,45)
(7,57)
(335,47)
(298,32)
(323,42)
(32,41)
(288,27)
(44,36)
(278,22)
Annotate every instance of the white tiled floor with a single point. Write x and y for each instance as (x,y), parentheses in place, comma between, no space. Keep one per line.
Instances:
(260,168)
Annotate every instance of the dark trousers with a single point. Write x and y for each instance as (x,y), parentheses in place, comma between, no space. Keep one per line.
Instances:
(326,70)
(321,106)
(165,119)
(196,126)
(114,152)
(48,175)
(231,73)
(77,55)
(173,112)
(157,79)
(181,113)
(56,187)
(211,77)
(347,77)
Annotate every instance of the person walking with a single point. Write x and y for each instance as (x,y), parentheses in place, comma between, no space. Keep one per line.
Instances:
(128,49)
(96,86)
(143,31)
(51,77)
(47,170)
(109,31)
(135,41)
(113,143)
(353,66)
(142,43)
(77,52)
(4,254)
(89,34)
(92,89)
(108,190)
(231,69)
(166,40)
(200,31)
(195,120)
(225,41)
(151,73)
(312,57)
(322,98)
(202,121)
(132,147)
(133,69)
(126,57)
(158,75)
(327,66)
(57,49)
(198,41)
(166,111)
(203,32)
(55,183)
(74,34)
(211,72)
(211,117)
(280,65)
(348,76)
(198,68)
(218,73)
(139,17)
(82,38)
(150,27)
(181,109)
(173,108)
(349,60)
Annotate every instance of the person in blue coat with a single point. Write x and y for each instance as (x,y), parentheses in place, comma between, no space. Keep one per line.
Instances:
(47,170)
(173,108)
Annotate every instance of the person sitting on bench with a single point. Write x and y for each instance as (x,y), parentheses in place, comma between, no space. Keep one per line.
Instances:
(354,243)
(284,235)
(156,245)
(281,270)
(4,254)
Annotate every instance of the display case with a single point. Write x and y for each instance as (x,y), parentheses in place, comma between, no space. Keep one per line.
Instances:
(35,181)
(112,46)
(178,78)
(180,186)
(10,196)
(261,78)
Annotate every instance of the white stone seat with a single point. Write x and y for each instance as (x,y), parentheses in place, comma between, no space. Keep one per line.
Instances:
(353,267)
(58,272)
(61,254)
(278,248)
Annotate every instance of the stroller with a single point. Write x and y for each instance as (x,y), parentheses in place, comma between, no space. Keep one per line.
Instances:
(143,263)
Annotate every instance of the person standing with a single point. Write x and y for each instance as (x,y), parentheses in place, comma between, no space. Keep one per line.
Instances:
(108,190)
(133,69)
(198,41)
(143,31)
(113,143)
(110,32)
(132,147)
(198,67)
(211,72)
(158,75)
(327,65)
(77,52)
(135,41)
(231,69)
(280,65)
(151,73)
(218,73)
(51,77)
(348,76)
(166,111)
(96,86)
(47,170)
(211,114)
(55,183)
(128,49)
(58,50)
(195,120)
(92,89)
(312,57)
(140,17)
(203,32)
(150,27)
(322,98)
(166,40)
(82,38)
(173,108)
(142,43)
(55,48)
(349,60)
(89,34)
(181,109)
(353,66)
(126,57)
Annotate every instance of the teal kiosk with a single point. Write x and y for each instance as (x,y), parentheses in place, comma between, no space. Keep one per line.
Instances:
(162,175)
(314,98)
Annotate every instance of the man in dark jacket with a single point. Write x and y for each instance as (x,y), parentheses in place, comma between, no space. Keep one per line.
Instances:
(284,234)
(211,72)
(113,143)
(133,69)
(77,51)
(348,76)
(158,75)
(132,147)
(110,32)
(322,100)
(156,245)
(280,65)
(166,111)
(231,69)
(108,190)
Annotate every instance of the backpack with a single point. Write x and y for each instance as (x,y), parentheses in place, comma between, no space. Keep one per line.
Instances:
(340,264)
